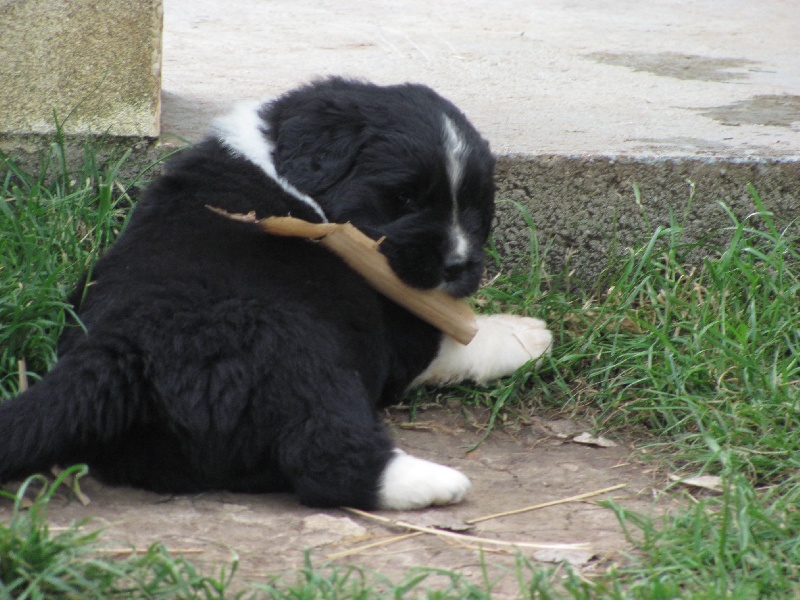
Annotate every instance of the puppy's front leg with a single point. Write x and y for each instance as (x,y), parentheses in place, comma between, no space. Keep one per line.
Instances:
(502,345)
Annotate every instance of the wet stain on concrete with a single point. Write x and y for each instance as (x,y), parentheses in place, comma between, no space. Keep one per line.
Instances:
(775,110)
(678,66)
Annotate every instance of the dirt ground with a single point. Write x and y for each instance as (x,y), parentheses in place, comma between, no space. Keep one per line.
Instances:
(533,462)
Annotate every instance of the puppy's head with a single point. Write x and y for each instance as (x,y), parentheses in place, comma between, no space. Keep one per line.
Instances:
(397,161)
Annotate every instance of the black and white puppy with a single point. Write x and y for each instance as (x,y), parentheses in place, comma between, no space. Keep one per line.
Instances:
(214,356)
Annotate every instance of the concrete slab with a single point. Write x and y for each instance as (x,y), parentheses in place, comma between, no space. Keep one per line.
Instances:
(64,65)
(581,99)
(574,77)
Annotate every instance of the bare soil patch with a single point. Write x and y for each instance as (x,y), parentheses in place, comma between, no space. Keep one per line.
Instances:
(513,468)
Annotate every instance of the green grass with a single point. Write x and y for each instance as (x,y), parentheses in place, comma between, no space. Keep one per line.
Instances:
(707,358)
(702,363)
(37,563)
(741,545)
(330,582)
(54,225)
(697,360)
(700,356)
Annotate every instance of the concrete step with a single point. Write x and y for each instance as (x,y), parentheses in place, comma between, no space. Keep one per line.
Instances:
(580,98)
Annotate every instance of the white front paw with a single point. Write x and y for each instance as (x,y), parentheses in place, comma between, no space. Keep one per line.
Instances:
(502,345)
(409,482)
(508,342)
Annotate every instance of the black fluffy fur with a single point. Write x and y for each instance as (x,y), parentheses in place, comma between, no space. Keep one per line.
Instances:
(215,356)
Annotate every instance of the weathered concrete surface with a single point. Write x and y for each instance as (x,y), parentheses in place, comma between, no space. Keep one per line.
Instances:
(587,210)
(581,98)
(94,65)
(570,77)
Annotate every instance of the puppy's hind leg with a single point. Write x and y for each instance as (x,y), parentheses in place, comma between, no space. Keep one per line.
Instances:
(340,454)
(409,482)
(502,345)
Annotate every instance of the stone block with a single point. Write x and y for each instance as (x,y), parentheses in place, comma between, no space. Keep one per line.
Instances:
(93,66)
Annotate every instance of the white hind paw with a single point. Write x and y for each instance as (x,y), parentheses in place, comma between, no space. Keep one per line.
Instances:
(409,482)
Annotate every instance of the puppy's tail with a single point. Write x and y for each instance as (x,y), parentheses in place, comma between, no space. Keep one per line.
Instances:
(89,397)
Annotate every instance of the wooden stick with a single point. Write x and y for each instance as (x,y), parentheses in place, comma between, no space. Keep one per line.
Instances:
(546,504)
(466,537)
(406,536)
(360,253)
(384,542)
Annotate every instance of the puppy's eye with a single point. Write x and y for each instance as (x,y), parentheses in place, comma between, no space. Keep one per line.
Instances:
(407,201)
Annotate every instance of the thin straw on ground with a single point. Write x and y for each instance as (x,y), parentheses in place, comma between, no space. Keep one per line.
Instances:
(418,531)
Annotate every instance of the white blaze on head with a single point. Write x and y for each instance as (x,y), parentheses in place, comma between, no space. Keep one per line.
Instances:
(456,151)
(245,134)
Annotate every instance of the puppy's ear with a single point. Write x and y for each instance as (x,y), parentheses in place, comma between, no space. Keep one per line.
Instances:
(317,148)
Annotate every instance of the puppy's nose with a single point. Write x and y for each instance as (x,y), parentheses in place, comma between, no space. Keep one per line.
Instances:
(454,267)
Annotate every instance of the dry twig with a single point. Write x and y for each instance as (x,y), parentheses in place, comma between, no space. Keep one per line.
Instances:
(418,531)
(462,537)
(360,253)
(22,370)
